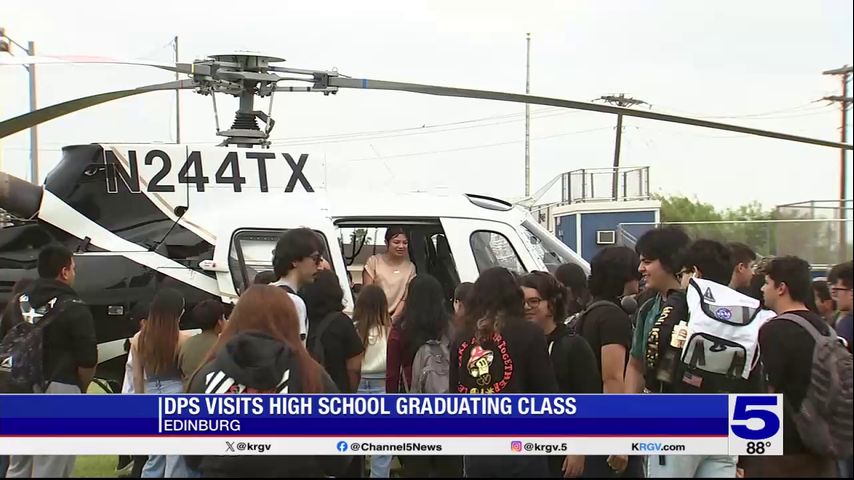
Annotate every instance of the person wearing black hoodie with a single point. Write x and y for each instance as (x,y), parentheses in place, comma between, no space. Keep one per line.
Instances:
(69,348)
(573,360)
(499,352)
(260,351)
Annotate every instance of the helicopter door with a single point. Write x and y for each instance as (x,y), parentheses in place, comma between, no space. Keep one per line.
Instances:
(478,245)
(248,252)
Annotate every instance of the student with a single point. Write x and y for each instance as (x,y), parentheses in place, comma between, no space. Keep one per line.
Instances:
(824,301)
(573,277)
(660,251)
(296,259)
(135,463)
(258,348)
(461,294)
(573,361)
(69,348)
(332,338)
(19,287)
(495,322)
(156,369)
(712,263)
(373,324)
(424,319)
(841,280)
(210,317)
(744,260)
(265,278)
(787,357)
(608,330)
(392,270)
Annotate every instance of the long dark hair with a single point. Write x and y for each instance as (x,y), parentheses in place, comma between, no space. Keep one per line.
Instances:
(550,290)
(266,309)
(494,300)
(425,316)
(371,311)
(158,338)
(322,296)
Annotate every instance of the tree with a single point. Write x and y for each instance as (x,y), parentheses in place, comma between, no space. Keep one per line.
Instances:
(738,226)
(751,224)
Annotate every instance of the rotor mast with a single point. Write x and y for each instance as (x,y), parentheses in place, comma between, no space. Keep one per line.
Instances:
(248,76)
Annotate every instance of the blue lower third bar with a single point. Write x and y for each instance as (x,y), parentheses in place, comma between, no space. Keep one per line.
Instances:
(390,415)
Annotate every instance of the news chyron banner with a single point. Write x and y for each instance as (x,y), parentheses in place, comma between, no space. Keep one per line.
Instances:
(393,424)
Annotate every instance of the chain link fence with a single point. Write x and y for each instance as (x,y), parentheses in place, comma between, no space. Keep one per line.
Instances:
(821,241)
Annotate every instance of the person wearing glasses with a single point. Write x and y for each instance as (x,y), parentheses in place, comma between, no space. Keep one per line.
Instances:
(841,282)
(391,270)
(296,259)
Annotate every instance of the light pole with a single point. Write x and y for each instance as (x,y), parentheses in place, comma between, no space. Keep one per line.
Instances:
(6,43)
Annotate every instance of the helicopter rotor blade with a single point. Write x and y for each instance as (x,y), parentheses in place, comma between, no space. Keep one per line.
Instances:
(367,84)
(41,115)
(90,59)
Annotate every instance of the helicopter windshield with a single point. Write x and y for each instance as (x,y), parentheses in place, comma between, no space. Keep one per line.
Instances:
(547,248)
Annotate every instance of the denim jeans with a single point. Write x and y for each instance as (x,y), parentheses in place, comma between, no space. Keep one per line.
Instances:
(166,466)
(44,466)
(380,464)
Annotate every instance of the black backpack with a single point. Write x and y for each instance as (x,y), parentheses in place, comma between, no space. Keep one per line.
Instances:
(576,322)
(315,346)
(22,349)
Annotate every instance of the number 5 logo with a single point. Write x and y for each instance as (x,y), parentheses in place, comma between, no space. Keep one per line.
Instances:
(743,412)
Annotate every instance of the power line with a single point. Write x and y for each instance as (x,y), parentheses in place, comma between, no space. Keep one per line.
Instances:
(545,112)
(474,147)
(408,133)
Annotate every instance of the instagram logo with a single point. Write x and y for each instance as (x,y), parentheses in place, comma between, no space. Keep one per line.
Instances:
(516,446)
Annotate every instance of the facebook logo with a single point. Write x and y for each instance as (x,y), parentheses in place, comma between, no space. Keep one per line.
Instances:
(342,446)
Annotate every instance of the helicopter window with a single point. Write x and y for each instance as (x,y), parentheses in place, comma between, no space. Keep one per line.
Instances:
(492,249)
(543,245)
(252,253)
(428,249)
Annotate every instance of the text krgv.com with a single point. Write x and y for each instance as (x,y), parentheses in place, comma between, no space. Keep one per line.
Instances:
(657,447)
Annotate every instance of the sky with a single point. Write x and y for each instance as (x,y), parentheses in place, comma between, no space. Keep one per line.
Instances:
(755,63)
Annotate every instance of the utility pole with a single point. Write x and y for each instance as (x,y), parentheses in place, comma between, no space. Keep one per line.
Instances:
(844,101)
(6,43)
(177,99)
(620,100)
(528,118)
(34,131)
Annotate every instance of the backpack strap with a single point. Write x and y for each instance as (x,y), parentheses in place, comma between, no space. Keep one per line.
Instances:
(322,326)
(579,324)
(806,325)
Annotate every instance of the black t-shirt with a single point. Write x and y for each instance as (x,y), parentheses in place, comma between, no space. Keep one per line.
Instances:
(514,360)
(340,342)
(606,325)
(787,351)
(573,361)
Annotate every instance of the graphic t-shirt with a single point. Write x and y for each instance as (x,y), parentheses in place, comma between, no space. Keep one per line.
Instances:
(515,360)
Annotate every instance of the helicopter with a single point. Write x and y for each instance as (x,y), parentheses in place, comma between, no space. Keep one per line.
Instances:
(140,217)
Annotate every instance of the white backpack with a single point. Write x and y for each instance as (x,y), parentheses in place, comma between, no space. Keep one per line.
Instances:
(723,334)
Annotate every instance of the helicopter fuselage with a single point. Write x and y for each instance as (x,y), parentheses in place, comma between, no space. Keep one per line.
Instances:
(205,220)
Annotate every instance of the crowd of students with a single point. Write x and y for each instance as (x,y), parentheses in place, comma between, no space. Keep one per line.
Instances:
(638,323)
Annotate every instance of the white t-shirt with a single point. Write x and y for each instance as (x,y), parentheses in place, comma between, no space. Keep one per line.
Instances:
(299,304)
